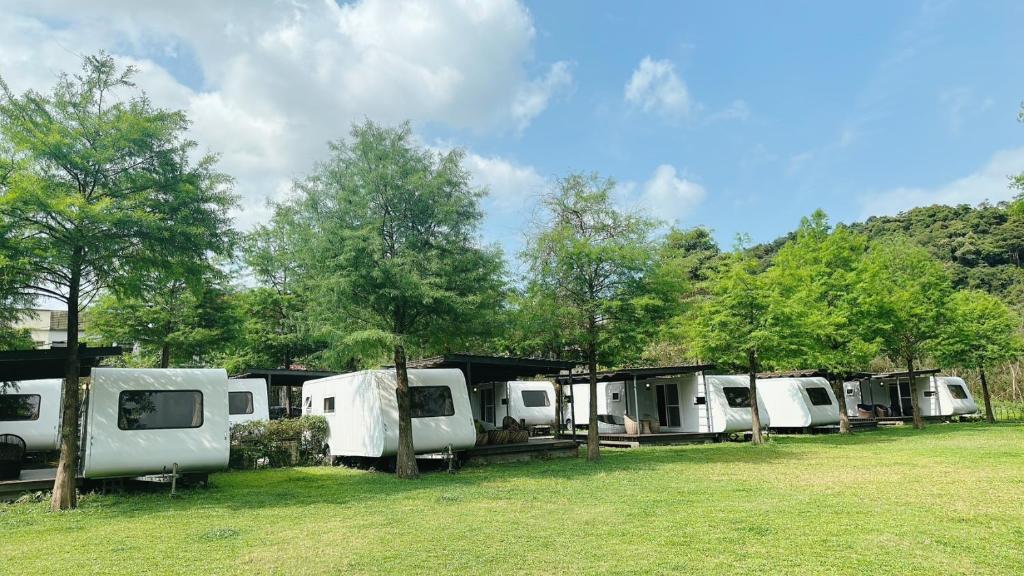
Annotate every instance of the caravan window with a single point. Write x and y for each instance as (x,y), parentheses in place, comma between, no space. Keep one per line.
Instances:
(431,401)
(737,396)
(159,409)
(240,403)
(819,396)
(329,405)
(535,398)
(19,407)
(957,391)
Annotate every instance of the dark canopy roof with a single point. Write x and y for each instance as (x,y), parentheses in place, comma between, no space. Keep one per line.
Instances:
(40,364)
(624,374)
(809,373)
(479,369)
(283,377)
(903,374)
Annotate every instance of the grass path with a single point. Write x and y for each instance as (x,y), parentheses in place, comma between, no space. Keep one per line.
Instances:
(948,500)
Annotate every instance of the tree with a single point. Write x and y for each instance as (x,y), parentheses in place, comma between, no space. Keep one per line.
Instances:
(900,299)
(387,236)
(585,257)
(817,269)
(104,191)
(181,318)
(684,261)
(980,330)
(743,322)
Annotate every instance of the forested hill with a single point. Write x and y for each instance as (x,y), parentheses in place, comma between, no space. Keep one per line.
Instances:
(984,245)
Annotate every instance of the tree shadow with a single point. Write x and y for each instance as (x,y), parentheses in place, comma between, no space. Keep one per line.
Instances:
(299,487)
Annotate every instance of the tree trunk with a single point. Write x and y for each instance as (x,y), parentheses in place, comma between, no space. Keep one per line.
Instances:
(918,421)
(985,396)
(840,391)
(65,496)
(165,355)
(593,441)
(755,416)
(405,467)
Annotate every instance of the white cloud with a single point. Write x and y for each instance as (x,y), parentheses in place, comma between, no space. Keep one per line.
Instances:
(989,183)
(510,186)
(665,196)
(534,96)
(266,84)
(655,87)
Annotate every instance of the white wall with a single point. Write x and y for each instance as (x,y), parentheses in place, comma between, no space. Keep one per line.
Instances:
(113,452)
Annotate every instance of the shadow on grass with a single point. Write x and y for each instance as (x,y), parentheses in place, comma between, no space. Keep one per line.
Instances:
(298,487)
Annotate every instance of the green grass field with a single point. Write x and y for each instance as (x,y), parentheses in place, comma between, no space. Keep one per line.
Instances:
(948,500)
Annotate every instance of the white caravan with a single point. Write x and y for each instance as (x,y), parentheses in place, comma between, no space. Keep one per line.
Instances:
(937,396)
(798,402)
(30,410)
(531,403)
(689,403)
(362,411)
(145,421)
(611,406)
(247,400)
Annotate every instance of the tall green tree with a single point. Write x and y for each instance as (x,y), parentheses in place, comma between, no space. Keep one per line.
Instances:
(979,331)
(900,299)
(273,332)
(104,191)
(743,322)
(817,271)
(585,258)
(387,233)
(685,259)
(180,318)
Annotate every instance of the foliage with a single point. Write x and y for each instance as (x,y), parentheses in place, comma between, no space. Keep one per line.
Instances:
(743,322)
(816,270)
(105,189)
(386,234)
(900,299)
(589,258)
(978,331)
(275,439)
(824,505)
(177,320)
(684,261)
(16,339)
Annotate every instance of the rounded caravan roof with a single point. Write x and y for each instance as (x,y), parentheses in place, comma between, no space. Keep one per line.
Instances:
(41,386)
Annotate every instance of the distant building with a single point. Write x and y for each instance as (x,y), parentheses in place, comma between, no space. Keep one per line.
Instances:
(49,328)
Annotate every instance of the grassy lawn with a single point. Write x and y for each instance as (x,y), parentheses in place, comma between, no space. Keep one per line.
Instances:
(948,500)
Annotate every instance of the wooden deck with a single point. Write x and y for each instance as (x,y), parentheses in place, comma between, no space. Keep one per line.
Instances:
(31,480)
(536,448)
(637,440)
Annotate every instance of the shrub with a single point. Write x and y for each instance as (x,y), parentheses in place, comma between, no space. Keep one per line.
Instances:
(278,443)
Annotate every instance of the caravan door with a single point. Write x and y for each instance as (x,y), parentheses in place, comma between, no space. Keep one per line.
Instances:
(668,405)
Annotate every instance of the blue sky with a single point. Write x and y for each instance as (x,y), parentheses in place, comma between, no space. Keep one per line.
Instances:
(741,116)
